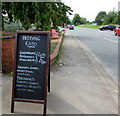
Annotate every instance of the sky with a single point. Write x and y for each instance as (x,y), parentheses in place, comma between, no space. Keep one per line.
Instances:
(90,8)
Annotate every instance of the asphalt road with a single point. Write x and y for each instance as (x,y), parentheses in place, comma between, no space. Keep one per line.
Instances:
(102,44)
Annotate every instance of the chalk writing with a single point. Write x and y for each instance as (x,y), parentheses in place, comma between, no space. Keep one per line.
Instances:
(25,79)
(36,57)
(23,74)
(23,67)
(31,44)
(28,83)
(26,71)
(31,38)
(31,41)
(27,67)
(17,85)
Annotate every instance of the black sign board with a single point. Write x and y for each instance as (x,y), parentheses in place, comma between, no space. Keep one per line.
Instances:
(31,67)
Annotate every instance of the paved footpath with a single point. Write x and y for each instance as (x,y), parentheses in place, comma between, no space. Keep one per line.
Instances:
(79,86)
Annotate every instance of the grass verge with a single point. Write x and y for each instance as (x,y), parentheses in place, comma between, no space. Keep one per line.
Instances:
(57,60)
(93,26)
(90,26)
(54,42)
(53,45)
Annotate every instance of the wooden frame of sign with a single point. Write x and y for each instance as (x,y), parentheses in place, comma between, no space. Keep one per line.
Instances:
(31,68)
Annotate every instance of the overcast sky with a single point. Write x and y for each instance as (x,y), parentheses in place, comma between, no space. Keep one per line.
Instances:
(90,8)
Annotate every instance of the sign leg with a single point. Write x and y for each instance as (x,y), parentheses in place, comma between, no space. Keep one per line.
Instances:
(44,114)
(12,106)
(49,77)
(49,83)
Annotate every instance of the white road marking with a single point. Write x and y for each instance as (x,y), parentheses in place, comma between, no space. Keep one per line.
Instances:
(111,40)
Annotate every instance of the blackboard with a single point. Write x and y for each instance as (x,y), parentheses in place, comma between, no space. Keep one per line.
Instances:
(31,65)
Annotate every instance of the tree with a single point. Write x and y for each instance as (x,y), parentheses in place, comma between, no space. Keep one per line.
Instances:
(100,17)
(68,22)
(19,11)
(41,14)
(76,19)
(83,20)
(59,14)
(119,17)
(111,18)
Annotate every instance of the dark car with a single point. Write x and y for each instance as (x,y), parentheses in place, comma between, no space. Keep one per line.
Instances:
(107,27)
(117,30)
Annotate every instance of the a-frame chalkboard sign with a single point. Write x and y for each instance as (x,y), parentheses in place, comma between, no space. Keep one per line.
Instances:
(31,68)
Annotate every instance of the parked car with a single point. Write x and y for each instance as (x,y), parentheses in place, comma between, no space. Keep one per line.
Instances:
(62,29)
(71,27)
(107,27)
(54,34)
(117,30)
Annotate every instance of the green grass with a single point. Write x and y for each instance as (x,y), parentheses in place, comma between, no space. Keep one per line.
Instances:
(93,26)
(57,60)
(53,45)
(90,26)
(54,42)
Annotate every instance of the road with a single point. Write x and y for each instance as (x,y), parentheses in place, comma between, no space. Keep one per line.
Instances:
(102,44)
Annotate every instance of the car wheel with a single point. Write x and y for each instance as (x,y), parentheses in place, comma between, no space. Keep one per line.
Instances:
(102,29)
(115,33)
